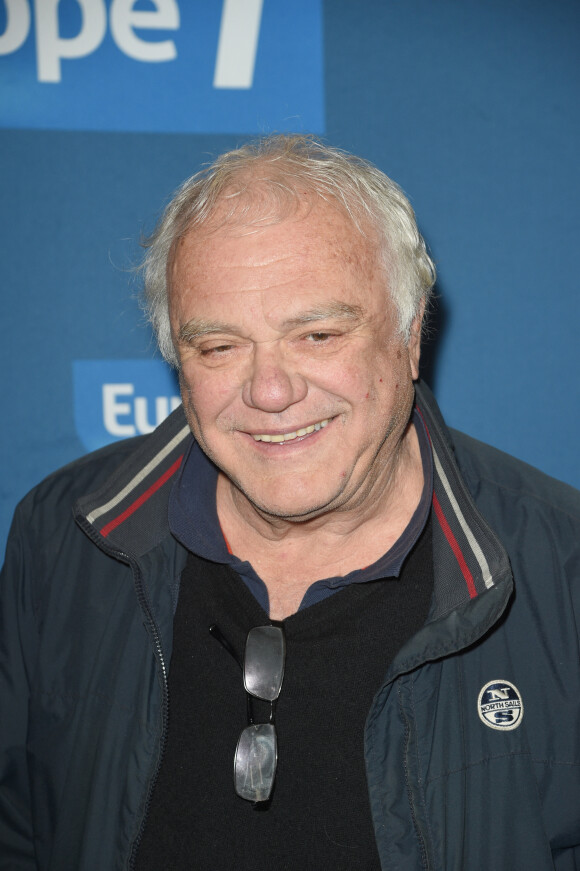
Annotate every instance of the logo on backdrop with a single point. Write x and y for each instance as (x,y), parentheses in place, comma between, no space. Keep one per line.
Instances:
(117,399)
(183,66)
(500,705)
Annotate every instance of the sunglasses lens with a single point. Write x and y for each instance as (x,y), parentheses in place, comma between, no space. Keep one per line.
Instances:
(255,762)
(264,662)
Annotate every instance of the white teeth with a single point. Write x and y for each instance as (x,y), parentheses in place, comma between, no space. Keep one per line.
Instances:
(289,436)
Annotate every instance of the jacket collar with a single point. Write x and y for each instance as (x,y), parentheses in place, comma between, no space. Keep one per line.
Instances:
(129,513)
(469,556)
(472,578)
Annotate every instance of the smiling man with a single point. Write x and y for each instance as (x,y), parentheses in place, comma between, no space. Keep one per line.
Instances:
(299,386)
(301,625)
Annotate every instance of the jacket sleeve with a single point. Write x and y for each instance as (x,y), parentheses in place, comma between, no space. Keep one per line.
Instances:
(18,643)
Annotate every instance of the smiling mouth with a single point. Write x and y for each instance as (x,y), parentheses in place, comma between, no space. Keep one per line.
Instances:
(290,436)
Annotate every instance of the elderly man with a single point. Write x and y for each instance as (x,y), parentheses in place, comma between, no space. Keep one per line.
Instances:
(301,625)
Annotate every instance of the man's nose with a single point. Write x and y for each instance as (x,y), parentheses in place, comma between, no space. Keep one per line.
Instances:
(273,384)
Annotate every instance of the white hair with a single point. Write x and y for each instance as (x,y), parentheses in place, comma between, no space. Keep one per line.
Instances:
(260,183)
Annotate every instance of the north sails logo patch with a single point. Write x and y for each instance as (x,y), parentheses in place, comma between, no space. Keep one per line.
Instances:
(500,705)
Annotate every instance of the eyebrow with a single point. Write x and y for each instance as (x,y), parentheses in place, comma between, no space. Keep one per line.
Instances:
(333,310)
(196,328)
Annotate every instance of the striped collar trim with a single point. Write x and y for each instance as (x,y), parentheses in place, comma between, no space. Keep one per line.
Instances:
(472,542)
(130,511)
(154,465)
(468,557)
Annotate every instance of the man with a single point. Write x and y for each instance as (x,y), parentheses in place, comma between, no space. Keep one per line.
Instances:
(303,626)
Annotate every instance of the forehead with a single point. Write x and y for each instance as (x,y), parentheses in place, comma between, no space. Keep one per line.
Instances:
(317,242)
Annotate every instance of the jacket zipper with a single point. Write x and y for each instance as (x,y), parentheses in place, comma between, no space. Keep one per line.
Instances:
(159,655)
(158,648)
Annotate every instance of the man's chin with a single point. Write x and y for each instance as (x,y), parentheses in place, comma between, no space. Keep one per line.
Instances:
(293,508)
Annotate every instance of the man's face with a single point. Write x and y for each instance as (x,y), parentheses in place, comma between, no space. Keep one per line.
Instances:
(294,379)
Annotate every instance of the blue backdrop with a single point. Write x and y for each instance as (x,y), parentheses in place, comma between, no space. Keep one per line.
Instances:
(106,106)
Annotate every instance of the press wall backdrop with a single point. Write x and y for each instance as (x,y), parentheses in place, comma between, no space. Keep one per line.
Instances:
(105,107)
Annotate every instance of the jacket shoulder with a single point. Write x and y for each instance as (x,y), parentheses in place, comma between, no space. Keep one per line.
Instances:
(488,470)
(82,475)
(107,471)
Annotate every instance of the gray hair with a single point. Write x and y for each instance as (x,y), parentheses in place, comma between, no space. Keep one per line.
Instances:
(273,173)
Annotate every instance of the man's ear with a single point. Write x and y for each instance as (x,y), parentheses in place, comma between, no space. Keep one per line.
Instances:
(414,346)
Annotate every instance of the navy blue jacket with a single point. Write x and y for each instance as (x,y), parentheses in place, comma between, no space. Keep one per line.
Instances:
(472,743)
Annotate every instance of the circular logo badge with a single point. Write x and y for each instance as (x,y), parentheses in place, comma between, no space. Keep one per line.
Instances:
(500,705)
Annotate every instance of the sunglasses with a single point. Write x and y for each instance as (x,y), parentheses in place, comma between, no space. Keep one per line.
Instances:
(256,754)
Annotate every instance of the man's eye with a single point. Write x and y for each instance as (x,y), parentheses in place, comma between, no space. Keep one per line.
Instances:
(319,337)
(215,350)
